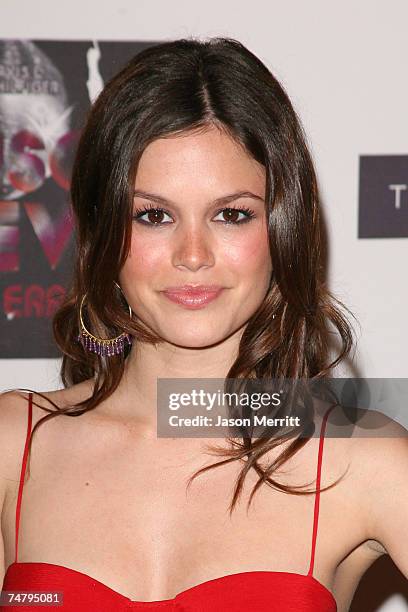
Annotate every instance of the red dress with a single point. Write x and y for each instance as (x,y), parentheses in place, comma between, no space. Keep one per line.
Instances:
(257,591)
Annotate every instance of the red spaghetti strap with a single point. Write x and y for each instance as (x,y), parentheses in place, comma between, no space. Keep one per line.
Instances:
(23,468)
(317,494)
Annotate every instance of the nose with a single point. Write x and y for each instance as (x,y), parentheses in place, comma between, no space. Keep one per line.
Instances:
(194,249)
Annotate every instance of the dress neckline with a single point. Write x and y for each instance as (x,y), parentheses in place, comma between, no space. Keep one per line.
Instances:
(233,577)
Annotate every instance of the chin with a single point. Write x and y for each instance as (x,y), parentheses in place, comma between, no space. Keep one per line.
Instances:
(195,340)
(194,343)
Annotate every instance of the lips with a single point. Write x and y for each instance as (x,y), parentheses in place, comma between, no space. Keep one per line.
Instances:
(193,297)
(193,289)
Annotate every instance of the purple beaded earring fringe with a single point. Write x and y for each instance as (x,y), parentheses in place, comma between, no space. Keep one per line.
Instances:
(111,347)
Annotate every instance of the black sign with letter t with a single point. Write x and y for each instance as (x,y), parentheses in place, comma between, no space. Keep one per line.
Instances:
(383,196)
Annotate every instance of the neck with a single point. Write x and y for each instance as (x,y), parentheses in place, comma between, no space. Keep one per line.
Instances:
(147,363)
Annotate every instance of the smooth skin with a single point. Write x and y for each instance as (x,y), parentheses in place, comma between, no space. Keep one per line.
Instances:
(108,498)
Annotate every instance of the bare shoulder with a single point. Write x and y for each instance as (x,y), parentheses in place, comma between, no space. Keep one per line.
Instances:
(368,434)
(376,447)
(13,434)
(375,442)
(364,423)
(14,416)
(14,421)
(62,398)
(13,430)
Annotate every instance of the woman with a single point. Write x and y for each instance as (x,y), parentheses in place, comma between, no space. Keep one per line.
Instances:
(193,169)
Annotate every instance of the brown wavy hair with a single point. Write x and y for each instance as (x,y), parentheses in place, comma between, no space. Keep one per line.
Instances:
(167,89)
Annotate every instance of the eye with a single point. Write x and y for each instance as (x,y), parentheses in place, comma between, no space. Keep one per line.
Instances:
(155,215)
(234,213)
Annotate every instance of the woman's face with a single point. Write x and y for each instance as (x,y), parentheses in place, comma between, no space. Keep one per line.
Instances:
(197,240)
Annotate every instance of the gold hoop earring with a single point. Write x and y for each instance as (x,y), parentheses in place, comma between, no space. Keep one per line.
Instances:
(106,347)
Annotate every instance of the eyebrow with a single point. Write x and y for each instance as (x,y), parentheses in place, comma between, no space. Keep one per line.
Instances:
(218,201)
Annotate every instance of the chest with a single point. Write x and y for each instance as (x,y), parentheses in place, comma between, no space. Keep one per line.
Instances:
(108,502)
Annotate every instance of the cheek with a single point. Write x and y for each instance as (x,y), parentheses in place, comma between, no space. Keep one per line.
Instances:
(248,255)
(145,257)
